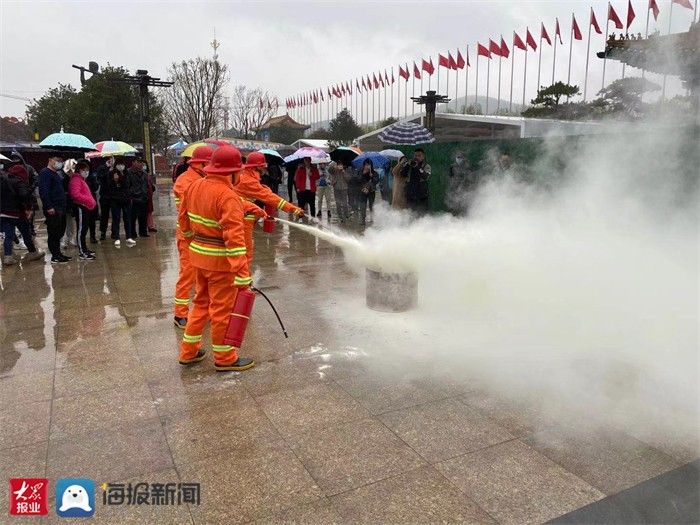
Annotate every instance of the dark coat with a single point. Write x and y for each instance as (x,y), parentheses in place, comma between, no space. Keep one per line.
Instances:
(138,184)
(52,190)
(118,190)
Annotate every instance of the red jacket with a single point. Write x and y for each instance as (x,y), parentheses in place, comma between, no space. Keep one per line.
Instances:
(80,193)
(300,178)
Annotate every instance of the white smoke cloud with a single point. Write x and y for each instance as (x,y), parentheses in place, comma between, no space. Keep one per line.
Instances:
(579,296)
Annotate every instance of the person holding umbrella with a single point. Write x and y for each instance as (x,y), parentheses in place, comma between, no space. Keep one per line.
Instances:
(54,202)
(120,199)
(305,180)
(369,179)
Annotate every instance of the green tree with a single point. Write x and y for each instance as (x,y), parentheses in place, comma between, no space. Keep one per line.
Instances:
(623,97)
(388,122)
(50,112)
(103,109)
(548,103)
(343,129)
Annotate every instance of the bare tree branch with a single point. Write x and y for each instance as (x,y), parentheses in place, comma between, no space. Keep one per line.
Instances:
(195,103)
(250,108)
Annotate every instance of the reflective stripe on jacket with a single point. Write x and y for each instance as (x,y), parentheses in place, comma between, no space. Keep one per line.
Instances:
(250,188)
(181,184)
(210,216)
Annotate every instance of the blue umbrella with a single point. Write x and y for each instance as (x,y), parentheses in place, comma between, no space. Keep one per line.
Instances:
(178,146)
(67,141)
(406,133)
(379,160)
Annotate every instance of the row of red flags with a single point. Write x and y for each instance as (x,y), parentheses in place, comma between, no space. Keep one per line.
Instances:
(459,62)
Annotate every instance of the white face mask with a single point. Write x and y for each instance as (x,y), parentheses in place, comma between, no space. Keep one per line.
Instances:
(120,167)
(84,174)
(57,165)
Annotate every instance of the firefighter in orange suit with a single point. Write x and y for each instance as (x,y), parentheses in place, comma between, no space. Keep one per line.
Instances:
(211,220)
(250,188)
(185,280)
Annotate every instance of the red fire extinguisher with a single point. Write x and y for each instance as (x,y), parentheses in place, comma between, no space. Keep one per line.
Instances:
(269,223)
(238,320)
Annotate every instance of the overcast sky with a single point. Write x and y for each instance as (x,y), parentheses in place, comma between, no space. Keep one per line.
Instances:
(288,47)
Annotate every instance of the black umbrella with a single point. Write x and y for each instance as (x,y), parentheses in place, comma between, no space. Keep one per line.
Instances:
(344,154)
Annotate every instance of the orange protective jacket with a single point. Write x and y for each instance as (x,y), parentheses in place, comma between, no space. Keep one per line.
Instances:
(250,188)
(181,184)
(211,220)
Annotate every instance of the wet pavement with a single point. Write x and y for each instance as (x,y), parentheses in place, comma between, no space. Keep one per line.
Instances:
(317,433)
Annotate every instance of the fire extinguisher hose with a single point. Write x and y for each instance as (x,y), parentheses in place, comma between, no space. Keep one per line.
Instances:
(284,330)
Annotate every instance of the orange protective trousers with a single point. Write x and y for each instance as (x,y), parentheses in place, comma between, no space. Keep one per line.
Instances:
(213,299)
(185,280)
(248,227)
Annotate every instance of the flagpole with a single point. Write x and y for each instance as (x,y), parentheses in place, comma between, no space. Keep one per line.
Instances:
(392,92)
(466,81)
(588,54)
(571,47)
(539,63)
(430,76)
(525,70)
(670,14)
(405,96)
(605,49)
(413,108)
(476,87)
(554,57)
(385,98)
(646,33)
(488,74)
(498,104)
(456,88)
(512,70)
(447,87)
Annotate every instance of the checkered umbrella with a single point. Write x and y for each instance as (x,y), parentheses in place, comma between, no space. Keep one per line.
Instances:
(407,134)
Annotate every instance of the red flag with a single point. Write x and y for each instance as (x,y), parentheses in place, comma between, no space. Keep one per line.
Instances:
(460,60)
(386,77)
(369,83)
(403,73)
(494,48)
(375,82)
(428,67)
(518,42)
(530,40)
(381,79)
(684,3)
(320,92)
(505,52)
(630,14)
(594,23)
(451,60)
(557,31)
(363,83)
(545,35)
(575,29)
(654,9)
(482,50)
(612,16)
(348,87)
(392,76)
(442,61)
(357,85)
(315,98)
